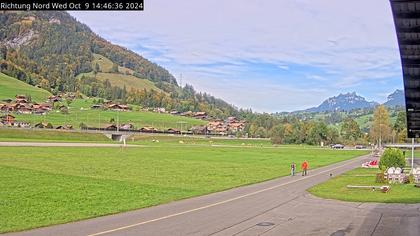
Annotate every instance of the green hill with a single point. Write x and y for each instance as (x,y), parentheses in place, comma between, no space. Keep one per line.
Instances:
(52,50)
(123,78)
(10,87)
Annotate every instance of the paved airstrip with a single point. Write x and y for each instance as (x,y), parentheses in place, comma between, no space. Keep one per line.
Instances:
(37,144)
(276,207)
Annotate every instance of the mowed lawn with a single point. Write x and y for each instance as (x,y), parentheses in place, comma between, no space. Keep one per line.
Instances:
(162,139)
(44,186)
(29,135)
(336,189)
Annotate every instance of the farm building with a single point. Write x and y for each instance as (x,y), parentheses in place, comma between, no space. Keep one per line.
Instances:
(148,129)
(199,130)
(8,119)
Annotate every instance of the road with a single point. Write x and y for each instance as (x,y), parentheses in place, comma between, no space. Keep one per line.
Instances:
(276,207)
(58,144)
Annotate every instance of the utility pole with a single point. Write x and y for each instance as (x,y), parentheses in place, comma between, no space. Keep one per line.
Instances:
(99,127)
(118,121)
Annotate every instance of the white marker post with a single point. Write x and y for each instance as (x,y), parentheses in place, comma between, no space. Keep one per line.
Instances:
(412,155)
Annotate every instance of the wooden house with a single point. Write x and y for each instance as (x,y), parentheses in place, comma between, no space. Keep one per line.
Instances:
(8,119)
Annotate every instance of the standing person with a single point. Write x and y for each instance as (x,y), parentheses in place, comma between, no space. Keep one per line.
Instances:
(292,169)
(305,167)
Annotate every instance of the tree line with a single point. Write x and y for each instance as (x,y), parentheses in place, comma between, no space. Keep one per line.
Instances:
(293,130)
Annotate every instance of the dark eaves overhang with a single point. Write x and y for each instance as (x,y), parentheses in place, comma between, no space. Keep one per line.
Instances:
(407,24)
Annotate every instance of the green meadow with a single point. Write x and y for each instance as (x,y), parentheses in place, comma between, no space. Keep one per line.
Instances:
(80,112)
(29,135)
(336,188)
(10,87)
(164,140)
(45,186)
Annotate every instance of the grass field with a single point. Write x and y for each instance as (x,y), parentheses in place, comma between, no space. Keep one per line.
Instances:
(28,135)
(80,111)
(10,87)
(336,189)
(105,65)
(129,81)
(123,78)
(164,140)
(44,186)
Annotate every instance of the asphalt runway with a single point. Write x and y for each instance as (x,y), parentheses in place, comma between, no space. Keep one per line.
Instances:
(276,207)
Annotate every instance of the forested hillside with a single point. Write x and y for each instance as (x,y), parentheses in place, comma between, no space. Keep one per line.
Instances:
(50,50)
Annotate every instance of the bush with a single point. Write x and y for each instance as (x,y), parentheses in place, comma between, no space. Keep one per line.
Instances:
(83,126)
(392,157)
(411,179)
(380,178)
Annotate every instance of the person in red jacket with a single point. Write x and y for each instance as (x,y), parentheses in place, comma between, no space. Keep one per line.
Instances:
(304,167)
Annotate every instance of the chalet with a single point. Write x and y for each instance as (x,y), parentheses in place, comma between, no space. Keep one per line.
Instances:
(6,108)
(108,102)
(42,125)
(237,126)
(221,130)
(111,127)
(20,97)
(231,119)
(200,115)
(173,131)
(13,106)
(148,129)
(213,125)
(63,108)
(65,127)
(174,112)
(187,113)
(8,119)
(125,107)
(127,127)
(159,110)
(21,101)
(54,99)
(43,106)
(24,109)
(96,106)
(117,107)
(39,111)
(199,130)
(70,96)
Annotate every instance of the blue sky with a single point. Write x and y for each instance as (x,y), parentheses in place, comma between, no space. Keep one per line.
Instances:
(268,55)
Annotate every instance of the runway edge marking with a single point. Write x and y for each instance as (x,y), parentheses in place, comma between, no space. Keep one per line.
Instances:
(222,202)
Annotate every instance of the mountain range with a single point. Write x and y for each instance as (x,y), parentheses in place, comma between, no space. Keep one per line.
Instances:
(351,101)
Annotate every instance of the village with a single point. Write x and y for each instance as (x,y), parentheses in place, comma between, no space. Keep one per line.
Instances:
(22,104)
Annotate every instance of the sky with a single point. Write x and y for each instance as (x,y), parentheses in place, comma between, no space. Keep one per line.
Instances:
(267,55)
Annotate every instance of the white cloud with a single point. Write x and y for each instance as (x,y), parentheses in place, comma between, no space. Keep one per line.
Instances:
(348,42)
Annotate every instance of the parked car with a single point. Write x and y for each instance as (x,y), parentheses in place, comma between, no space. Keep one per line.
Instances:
(360,147)
(338,146)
